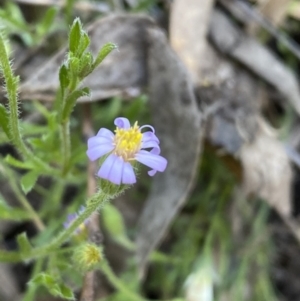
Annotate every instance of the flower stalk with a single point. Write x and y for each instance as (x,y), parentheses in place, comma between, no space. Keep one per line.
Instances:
(93,204)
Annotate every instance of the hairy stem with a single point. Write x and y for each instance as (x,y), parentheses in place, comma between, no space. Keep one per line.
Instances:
(11,83)
(93,204)
(66,145)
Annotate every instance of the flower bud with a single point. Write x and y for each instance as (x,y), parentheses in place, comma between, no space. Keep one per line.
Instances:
(87,256)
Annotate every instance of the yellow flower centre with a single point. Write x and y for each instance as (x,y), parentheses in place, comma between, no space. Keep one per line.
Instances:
(127,142)
(92,255)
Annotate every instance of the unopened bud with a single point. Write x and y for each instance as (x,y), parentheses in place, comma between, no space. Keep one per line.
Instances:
(87,256)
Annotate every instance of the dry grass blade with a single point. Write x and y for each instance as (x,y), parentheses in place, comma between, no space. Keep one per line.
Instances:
(246,14)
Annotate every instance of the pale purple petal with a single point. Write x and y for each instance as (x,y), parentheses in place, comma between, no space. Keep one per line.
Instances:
(106,166)
(151,160)
(148,136)
(155,150)
(122,123)
(128,176)
(112,169)
(103,132)
(149,144)
(97,141)
(99,151)
(116,172)
(148,126)
(152,172)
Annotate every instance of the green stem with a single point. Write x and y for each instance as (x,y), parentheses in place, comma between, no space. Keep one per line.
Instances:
(118,284)
(73,84)
(11,83)
(10,256)
(93,204)
(30,292)
(22,199)
(65,125)
(66,145)
(24,202)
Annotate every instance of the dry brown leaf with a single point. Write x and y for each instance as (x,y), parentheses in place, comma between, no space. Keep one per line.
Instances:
(189,21)
(122,72)
(274,10)
(246,14)
(267,171)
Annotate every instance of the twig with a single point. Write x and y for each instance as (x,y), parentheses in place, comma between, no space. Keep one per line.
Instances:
(245,13)
(88,288)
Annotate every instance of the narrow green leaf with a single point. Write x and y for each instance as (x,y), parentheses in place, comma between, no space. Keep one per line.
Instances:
(28,181)
(84,43)
(46,23)
(49,280)
(15,13)
(9,213)
(64,77)
(86,65)
(71,101)
(66,292)
(102,54)
(55,288)
(4,120)
(37,280)
(43,279)
(41,108)
(38,143)
(23,243)
(113,221)
(29,129)
(19,164)
(74,64)
(52,122)
(75,36)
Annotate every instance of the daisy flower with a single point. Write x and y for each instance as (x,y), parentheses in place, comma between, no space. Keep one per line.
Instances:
(127,145)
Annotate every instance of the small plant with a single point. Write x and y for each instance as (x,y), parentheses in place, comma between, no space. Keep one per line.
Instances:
(51,152)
